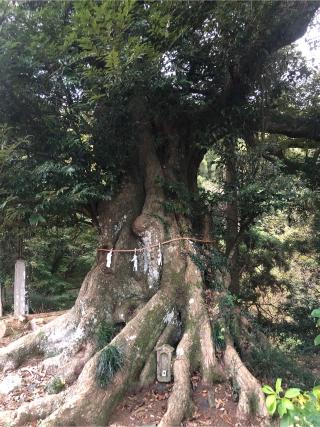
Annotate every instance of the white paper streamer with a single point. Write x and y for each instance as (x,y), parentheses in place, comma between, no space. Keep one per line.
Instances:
(146,257)
(135,261)
(109,258)
(159,256)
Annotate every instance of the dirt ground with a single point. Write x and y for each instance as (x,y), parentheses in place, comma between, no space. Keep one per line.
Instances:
(148,406)
(144,408)
(34,381)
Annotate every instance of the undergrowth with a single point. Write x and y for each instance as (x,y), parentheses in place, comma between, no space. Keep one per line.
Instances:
(218,336)
(277,364)
(110,362)
(56,385)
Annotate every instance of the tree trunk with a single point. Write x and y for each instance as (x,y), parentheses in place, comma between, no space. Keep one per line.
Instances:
(142,303)
(232,217)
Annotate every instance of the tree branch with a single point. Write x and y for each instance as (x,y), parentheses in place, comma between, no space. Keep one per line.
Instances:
(294,127)
(283,23)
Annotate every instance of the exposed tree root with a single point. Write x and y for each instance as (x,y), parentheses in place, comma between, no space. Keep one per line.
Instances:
(198,331)
(69,368)
(251,398)
(168,336)
(42,341)
(136,341)
(33,411)
(179,401)
(198,317)
(154,324)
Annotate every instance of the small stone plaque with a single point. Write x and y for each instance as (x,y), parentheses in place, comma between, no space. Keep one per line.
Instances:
(164,362)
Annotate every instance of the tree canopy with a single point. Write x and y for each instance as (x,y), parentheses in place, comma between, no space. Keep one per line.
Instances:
(72,73)
(155,122)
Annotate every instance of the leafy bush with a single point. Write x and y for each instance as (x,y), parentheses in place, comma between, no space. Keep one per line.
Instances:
(110,361)
(294,407)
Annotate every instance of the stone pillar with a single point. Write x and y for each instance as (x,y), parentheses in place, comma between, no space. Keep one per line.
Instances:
(20,308)
(1,313)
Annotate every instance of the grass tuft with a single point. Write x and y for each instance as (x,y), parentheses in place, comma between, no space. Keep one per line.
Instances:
(110,361)
(105,332)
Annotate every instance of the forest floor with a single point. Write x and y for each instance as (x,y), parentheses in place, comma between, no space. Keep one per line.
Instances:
(147,407)
(143,408)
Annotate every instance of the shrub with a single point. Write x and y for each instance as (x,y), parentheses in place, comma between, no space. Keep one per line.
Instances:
(294,407)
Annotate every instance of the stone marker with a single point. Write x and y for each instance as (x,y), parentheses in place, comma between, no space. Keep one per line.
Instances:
(1,314)
(3,328)
(164,357)
(20,307)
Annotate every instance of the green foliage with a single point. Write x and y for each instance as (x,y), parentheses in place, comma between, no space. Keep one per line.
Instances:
(105,332)
(227,302)
(41,302)
(236,389)
(276,363)
(57,261)
(56,385)
(110,362)
(179,200)
(218,336)
(207,71)
(89,65)
(293,406)
(316,313)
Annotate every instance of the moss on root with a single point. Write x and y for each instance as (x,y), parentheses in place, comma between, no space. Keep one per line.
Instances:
(56,385)
(253,402)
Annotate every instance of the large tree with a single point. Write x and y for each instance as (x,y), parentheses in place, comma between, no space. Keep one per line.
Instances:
(112,106)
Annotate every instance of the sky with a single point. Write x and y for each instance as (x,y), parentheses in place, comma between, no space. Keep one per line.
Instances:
(309,43)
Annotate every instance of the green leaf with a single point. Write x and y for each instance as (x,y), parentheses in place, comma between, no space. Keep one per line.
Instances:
(35,219)
(278,385)
(268,390)
(271,403)
(315,312)
(317,340)
(292,392)
(286,421)
(287,404)
(282,410)
(316,391)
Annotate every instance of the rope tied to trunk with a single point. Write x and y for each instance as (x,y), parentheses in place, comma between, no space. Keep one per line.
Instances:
(157,245)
